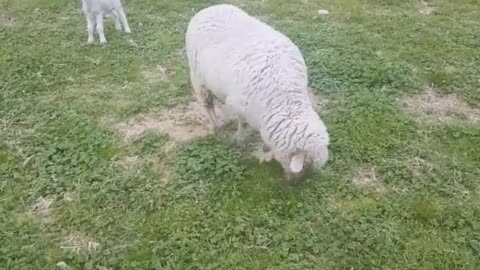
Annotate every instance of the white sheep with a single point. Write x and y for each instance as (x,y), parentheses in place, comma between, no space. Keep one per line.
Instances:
(95,10)
(261,76)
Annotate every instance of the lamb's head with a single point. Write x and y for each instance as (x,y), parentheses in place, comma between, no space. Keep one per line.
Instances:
(298,164)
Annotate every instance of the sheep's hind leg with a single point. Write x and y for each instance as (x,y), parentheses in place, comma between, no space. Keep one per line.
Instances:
(240,134)
(207,98)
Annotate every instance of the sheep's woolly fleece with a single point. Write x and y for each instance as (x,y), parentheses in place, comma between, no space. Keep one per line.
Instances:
(262,75)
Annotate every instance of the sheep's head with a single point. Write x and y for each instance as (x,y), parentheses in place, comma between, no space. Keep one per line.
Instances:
(299,164)
(299,167)
(295,166)
(316,149)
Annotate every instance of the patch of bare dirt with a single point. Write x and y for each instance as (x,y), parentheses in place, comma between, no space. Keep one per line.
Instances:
(77,243)
(7,20)
(156,74)
(442,108)
(366,178)
(181,123)
(43,210)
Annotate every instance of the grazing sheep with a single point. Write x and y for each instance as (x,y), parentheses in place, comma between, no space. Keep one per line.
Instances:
(95,10)
(261,76)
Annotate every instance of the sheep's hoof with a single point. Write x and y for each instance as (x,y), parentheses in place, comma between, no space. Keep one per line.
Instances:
(214,130)
(266,157)
(128,31)
(90,41)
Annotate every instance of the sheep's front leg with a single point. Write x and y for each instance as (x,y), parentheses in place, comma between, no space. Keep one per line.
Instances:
(90,28)
(100,28)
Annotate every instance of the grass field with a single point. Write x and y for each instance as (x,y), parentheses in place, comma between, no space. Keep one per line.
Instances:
(102,165)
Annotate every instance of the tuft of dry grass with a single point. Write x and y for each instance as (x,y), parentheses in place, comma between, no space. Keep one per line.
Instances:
(156,74)
(43,210)
(77,243)
(366,178)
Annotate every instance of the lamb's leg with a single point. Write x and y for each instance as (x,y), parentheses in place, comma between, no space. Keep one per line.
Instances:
(100,32)
(123,19)
(116,20)
(90,28)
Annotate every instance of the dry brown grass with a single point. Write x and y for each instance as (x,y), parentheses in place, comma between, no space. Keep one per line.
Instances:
(77,243)
(43,210)
(431,105)
(156,74)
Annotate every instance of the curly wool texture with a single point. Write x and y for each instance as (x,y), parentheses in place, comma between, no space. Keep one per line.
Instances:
(261,75)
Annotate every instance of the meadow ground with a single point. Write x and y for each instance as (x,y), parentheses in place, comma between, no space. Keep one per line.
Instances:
(102,165)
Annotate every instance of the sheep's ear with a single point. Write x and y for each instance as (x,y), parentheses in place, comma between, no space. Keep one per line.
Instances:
(296,163)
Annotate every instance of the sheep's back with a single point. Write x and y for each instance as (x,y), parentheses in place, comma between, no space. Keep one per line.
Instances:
(217,24)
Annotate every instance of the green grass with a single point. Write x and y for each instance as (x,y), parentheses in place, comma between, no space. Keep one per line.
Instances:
(208,206)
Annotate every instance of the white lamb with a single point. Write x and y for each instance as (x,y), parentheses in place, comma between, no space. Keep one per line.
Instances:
(262,77)
(95,10)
